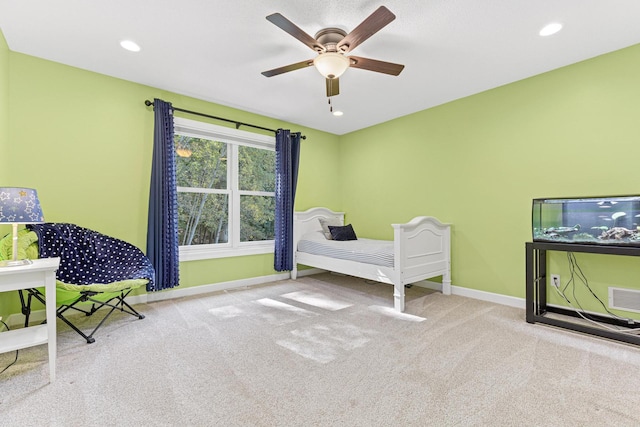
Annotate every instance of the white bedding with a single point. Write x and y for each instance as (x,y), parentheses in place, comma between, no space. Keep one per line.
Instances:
(369,251)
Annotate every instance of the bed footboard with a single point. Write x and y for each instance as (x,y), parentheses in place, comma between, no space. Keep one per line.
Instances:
(422,250)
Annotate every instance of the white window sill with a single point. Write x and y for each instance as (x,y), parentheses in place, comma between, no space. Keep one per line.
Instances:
(188,253)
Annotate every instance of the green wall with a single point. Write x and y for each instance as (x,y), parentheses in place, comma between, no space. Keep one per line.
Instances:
(479,161)
(84,141)
(4,141)
(4,104)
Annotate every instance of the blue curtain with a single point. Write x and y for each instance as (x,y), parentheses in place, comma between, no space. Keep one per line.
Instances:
(287,159)
(162,231)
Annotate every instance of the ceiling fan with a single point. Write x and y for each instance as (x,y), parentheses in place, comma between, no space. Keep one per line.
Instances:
(332,45)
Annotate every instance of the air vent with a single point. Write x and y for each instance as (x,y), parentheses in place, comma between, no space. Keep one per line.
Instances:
(624,299)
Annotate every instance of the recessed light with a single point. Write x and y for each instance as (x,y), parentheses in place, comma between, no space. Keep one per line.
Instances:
(550,29)
(130,45)
(338,113)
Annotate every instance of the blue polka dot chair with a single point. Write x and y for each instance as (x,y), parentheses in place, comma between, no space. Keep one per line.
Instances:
(96,271)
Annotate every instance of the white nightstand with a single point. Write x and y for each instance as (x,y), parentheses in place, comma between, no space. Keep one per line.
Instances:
(41,273)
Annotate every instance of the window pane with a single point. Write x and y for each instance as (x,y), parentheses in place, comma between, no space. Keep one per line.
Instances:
(257,218)
(257,169)
(203,218)
(205,167)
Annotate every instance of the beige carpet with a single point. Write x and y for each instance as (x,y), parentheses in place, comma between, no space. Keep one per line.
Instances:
(327,351)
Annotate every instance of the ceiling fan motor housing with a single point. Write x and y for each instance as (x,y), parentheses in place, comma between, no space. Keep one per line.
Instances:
(329,38)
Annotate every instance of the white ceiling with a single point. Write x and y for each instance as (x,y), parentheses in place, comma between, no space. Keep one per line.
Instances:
(215,50)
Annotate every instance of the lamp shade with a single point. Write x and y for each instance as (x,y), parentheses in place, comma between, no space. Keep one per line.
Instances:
(20,206)
(331,64)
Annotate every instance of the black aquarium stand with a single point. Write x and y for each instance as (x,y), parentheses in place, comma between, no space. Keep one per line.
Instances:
(536,292)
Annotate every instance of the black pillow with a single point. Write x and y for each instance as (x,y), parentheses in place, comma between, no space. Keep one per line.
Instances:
(342,232)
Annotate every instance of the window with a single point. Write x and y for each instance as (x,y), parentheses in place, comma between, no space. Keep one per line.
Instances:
(226,190)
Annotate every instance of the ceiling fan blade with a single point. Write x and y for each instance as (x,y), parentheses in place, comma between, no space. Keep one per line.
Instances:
(333,87)
(291,28)
(375,65)
(287,68)
(371,25)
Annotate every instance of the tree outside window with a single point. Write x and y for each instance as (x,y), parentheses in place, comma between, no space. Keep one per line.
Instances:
(226,188)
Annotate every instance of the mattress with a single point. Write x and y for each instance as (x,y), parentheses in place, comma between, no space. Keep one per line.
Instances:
(368,251)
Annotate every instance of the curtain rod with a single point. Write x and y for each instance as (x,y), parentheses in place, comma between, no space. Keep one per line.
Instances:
(238,124)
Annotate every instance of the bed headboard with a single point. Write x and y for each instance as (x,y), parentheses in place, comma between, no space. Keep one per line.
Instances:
(307,221)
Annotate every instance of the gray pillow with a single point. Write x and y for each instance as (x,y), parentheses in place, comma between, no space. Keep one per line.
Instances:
(325,223)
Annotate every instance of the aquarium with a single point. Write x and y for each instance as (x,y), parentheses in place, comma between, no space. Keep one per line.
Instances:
(593,220)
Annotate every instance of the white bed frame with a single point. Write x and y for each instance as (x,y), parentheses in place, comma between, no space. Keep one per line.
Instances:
(422,250)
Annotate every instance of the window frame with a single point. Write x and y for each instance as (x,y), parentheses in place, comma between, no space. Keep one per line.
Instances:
(234,138)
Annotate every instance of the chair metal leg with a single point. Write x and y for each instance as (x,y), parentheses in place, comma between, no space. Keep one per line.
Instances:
(26,307)
(64,308)
(87,296)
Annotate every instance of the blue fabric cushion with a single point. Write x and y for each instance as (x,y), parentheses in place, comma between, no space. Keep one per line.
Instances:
(342,232)
(88,257)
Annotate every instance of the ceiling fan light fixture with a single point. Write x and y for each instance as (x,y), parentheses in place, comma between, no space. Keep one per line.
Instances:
(331,64)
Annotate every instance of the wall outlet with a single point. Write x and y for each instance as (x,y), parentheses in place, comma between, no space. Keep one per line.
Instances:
(555,280)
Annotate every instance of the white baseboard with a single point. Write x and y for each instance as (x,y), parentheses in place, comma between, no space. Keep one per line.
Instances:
(38,316)
(476,294)
(489,296)
(205,289)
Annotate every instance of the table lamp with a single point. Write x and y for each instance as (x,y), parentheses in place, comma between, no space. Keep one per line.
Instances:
(18,206)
